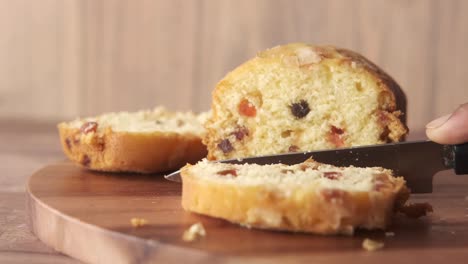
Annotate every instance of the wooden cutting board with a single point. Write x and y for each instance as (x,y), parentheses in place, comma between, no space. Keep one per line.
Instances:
(87,215)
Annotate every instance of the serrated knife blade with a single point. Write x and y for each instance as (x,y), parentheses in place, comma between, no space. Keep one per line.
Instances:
(416,161)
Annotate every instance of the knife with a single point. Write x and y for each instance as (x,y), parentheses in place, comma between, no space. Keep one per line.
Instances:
(416,161)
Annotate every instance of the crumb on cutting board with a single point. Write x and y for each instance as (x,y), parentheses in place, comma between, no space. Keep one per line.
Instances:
(372,245)
(416,210)
(137,222)
(193,232)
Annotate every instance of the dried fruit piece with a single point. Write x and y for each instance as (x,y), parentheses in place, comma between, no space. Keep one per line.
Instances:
(332,175)
(89,127)
(300,109)
(416,210)
(335,136)
(293,148)
(240,132)
(225,146)
(336,140)
(85,161)
(336,130)
(246,108)
(285,171)
(68,143)
(232,172)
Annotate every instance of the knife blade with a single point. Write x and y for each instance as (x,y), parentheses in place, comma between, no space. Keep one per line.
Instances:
(416,161)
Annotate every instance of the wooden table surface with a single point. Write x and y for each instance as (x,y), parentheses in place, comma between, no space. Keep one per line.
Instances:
(25,147)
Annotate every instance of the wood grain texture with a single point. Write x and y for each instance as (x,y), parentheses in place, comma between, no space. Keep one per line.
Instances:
(24,147)
(87,216)
(61,59)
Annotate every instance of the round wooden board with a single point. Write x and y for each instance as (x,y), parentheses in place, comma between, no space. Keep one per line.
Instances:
(87,215)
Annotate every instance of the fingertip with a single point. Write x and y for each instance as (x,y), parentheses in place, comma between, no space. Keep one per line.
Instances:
(454,130)
(438,122)
(439,135)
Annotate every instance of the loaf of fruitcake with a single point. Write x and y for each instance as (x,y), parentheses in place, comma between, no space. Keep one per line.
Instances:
(145,141)
(306,197)
(300,97)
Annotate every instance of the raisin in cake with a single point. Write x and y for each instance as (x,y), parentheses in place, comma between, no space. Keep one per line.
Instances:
(306,197)
(300,97)
(145,141)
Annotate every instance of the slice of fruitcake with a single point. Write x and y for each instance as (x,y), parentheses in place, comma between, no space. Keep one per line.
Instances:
(300,97)
(306,197)
(145,141)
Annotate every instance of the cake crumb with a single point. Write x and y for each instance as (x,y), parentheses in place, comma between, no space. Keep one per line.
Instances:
(416,210)
(389,234)
(372,245)
(193,232)
(138,222)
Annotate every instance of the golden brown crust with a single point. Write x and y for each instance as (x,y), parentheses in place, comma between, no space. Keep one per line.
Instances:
(148,152)
(387,82)
(307,210)
(345,56)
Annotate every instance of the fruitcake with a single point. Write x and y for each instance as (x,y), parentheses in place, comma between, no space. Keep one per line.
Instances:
(146,141)
(300,97)
(306,197)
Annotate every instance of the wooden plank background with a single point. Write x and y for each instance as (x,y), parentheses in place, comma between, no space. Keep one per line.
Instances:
(65,58)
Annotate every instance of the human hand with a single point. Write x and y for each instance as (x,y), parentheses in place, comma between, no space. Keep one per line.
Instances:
(451,128)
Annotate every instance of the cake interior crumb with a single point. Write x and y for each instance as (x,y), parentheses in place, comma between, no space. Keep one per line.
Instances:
(372,245)
(194,232)
(138,222)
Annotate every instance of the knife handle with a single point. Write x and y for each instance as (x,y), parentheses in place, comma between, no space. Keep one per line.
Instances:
(460,158)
